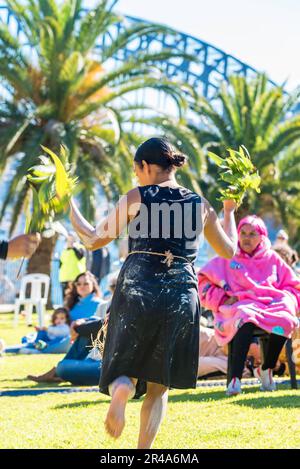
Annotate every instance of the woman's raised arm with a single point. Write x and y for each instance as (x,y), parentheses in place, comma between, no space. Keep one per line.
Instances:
(111,226)
(222,240)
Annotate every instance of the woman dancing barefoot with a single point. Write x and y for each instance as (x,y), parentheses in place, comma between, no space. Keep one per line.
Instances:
(153,330)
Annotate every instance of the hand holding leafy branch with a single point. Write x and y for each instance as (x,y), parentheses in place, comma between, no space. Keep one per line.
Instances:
(52,188)
(238,173)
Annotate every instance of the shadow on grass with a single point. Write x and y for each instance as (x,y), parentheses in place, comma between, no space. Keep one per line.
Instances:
(254,399)
(83,403)
(250,398)
(186,397)
(274,401)
(197,397)
(28,384)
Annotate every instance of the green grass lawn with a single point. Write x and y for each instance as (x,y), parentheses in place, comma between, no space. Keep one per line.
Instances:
(202,418)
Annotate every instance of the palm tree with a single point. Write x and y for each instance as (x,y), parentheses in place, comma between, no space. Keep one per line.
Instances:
(255,114)
(57,88)
(283,192)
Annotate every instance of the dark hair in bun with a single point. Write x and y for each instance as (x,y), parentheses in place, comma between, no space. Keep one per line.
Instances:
(178,159)
(159,151)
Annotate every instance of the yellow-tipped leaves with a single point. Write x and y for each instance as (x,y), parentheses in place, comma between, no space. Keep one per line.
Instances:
(52,187)
(64,184)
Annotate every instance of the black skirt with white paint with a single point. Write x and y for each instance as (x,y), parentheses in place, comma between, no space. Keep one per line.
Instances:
(153,328)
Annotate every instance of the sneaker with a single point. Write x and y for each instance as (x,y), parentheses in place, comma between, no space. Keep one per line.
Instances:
(234,387)
(40,345)
(266,379)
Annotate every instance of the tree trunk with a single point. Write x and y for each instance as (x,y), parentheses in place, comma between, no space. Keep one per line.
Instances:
(40,262)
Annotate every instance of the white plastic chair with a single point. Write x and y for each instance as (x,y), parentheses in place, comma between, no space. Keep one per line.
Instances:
(38,297)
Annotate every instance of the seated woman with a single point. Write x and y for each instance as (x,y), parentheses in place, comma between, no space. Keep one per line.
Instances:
(54,339)
(254,289)
(82,364)
(84,297)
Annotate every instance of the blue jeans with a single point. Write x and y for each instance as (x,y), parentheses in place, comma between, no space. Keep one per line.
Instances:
(79,372)
(78,369)
(55,346)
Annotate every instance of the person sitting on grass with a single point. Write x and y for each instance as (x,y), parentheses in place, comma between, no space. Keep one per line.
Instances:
(84,297)
(256,288)
(82,364)
(54,339)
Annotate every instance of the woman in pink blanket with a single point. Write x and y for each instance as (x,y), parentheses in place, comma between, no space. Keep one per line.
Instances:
(255,288)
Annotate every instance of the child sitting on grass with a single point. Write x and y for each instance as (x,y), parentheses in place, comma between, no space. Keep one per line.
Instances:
(46,339)
(60,327)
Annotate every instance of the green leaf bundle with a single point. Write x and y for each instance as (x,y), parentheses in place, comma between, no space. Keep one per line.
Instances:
(238,174)
(52,187)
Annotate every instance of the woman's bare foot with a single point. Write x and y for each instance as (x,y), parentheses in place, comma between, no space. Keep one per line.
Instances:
(49,377)
(38,379)
(115,419)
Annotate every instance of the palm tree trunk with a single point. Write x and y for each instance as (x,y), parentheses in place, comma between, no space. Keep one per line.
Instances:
(40,262)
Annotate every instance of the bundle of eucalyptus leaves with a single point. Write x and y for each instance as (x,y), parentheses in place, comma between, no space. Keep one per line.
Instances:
(238,174)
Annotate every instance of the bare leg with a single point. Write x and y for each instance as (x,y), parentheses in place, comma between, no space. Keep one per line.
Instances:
(121,390)
(152,413)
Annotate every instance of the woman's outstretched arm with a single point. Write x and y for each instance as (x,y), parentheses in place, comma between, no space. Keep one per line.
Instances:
(111,226)
(222,240)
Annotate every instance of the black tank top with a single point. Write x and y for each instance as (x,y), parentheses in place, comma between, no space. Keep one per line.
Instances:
(169,219)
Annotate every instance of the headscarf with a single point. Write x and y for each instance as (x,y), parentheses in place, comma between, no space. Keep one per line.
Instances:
(259,225)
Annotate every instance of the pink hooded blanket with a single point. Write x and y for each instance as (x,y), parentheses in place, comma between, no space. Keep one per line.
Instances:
(267,289)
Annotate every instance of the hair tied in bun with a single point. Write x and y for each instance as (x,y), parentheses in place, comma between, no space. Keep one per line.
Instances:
(178,159)
(159,151)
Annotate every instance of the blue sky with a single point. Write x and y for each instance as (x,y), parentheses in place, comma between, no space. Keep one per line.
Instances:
(263,33)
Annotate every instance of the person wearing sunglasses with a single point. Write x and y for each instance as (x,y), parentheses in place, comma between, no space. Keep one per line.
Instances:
(84,296)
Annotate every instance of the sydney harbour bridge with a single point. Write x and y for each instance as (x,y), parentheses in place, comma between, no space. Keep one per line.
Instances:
(213,64)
